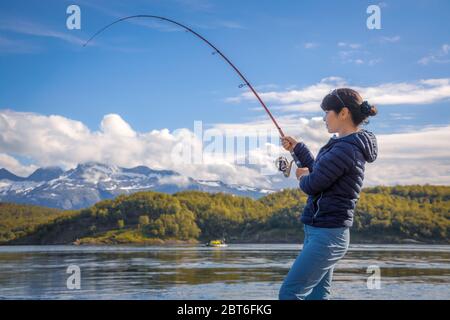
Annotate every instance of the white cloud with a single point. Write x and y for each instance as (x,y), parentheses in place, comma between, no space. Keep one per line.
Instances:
(190,5)
(56,140)
(440,56)
(354,57)
(353,53)
(445,48)
(412,158)
(308,98)
(428,143)
(114,125)
(266,86)
(349,45)
(404,158)
(401,116)
(418,92)
(35,29)
(312,93)
(308,107)
(311,130)
(180,181)
(373,62)
(417,157)
(310,45)
(392,39)
(12,165)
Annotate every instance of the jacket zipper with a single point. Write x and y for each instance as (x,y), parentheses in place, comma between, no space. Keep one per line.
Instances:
(318,208)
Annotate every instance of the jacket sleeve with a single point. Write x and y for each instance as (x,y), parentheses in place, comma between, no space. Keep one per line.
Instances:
(304,155)
(330,167)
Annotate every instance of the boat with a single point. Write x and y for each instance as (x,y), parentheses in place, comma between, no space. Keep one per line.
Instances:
(216,243)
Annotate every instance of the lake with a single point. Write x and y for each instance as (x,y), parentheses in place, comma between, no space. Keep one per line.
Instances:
(240,271)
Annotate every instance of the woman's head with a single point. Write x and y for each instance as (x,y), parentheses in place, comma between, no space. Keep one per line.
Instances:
(345,107)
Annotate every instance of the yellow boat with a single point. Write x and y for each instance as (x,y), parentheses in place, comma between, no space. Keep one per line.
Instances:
(216,243)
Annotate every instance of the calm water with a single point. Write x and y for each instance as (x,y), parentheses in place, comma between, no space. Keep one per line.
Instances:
(193,272)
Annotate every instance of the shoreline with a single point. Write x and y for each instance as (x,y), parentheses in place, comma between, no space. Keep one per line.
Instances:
(172,243)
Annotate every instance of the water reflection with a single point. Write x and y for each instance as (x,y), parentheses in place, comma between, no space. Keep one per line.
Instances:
(195,272)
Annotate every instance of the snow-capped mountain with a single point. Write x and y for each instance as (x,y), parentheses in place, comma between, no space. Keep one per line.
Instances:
(91,182)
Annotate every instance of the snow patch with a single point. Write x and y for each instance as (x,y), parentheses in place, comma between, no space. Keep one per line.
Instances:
(209,183)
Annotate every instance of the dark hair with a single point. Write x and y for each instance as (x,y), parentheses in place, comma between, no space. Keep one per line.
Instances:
(345,97)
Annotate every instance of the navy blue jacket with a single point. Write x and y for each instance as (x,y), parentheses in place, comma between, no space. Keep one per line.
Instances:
(336,178)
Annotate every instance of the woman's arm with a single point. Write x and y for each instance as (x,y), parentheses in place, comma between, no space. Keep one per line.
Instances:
(330,167)
(304,155)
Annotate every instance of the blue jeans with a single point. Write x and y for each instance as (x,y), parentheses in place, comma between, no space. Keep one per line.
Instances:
(310,275)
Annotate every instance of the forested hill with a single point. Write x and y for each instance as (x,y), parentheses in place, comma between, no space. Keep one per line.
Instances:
(383,215)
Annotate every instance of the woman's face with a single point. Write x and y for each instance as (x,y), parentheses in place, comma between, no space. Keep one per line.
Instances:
(332,121)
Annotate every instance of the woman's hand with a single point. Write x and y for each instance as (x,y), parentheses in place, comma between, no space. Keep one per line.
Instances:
(288,143)
(300,172)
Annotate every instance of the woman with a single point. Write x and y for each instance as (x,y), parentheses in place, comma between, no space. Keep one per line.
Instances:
(333,182)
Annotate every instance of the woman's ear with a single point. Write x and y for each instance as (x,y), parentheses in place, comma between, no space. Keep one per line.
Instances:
(343,115)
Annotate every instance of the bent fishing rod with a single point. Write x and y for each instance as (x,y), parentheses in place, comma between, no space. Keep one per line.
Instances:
(282,163)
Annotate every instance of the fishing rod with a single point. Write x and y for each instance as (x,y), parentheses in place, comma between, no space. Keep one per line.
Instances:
(282,163)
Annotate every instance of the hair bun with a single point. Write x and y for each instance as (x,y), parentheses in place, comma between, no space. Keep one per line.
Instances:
(367,109)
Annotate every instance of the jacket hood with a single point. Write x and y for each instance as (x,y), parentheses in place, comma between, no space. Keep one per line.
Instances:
(365,141)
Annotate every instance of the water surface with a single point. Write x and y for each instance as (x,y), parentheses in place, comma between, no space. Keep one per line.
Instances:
(240,271)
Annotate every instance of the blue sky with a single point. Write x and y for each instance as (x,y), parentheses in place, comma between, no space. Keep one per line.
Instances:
(156,76)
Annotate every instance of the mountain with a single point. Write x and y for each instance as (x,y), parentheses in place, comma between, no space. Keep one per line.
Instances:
(91,182)
(6,175)
(400,214)
(46,174)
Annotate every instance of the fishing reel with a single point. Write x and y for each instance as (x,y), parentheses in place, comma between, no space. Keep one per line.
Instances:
(284,165)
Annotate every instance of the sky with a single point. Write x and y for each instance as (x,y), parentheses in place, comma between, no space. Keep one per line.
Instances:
(132,96)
